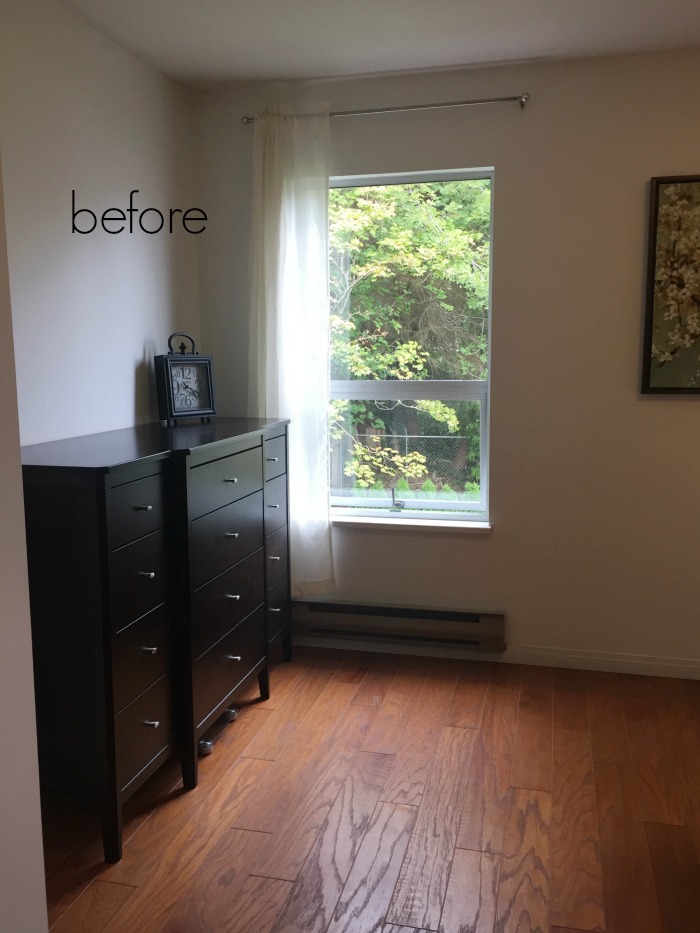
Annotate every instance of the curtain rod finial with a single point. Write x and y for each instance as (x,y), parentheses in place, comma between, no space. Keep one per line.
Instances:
(522,100)
(247,120)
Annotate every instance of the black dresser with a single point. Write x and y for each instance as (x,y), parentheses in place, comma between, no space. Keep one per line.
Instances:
(158,573)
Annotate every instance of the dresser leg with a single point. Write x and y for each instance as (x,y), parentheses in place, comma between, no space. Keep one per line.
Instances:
(189,767)
(264,684)
(287,645)
(112,833)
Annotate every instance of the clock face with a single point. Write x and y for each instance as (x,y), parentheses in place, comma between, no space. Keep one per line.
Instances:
(190,386)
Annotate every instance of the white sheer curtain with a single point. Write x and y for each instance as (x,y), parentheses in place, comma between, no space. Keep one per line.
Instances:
(289,369)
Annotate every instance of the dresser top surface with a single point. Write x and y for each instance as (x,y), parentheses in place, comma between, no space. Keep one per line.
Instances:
(109,450)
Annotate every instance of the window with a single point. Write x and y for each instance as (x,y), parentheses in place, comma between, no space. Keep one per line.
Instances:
(409,330)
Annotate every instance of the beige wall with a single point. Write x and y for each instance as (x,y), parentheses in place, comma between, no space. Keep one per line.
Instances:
(90,311)
(595,502)
(21,866)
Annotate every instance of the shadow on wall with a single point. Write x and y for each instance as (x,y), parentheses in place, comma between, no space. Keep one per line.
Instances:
(145,403)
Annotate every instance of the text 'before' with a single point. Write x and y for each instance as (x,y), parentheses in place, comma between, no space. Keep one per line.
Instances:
(148,219)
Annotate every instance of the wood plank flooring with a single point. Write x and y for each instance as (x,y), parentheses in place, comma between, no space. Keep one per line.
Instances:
(389,794)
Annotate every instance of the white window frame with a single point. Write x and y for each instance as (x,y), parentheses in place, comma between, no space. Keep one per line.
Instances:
(446,390)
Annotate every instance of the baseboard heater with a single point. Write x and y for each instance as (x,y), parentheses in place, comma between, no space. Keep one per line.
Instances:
(409,625)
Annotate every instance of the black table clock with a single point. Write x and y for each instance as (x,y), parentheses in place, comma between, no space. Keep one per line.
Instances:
(184,382)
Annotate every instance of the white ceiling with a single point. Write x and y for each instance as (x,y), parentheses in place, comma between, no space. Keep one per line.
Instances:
(210,41)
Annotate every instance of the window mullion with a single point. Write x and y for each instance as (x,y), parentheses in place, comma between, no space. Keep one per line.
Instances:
(390,390)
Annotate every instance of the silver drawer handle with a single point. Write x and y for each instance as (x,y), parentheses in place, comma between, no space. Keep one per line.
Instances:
(230,534)
(274,610)
(153,723)
(272,459)
(148,574)
(143,508)
(273,506)
(231,596)
(151,650)
(231,479)
(233,657)
(274,558)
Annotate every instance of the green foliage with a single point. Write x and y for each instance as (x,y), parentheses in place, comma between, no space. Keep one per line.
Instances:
(447,488)
(409,280)
(409,300)
(371,464)
(441,413)
(402,485)
(428,486)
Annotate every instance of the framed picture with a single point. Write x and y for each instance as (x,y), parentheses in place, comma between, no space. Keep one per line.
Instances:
(671,360)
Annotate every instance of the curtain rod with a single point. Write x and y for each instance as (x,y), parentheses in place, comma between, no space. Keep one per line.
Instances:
(521,99)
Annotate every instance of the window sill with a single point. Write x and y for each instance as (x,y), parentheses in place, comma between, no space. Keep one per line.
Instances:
(418,524)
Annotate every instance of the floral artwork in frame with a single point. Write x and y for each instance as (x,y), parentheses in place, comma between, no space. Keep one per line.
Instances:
(672,328)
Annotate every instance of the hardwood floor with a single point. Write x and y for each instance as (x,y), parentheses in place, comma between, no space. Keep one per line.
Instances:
(388,794)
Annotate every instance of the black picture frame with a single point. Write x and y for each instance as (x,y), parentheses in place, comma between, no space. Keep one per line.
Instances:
(671,354)
(168,409)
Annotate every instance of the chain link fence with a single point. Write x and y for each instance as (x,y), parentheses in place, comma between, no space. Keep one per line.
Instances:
(452,472)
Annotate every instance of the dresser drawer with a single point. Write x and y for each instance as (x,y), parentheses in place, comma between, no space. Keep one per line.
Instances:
(218,672)
(224,537)
(276,556)
(138,738)
(275,504)
(219,482)
(221,604)
(137,579)
(134,509)
(278,608)
(275,456)
(140,656)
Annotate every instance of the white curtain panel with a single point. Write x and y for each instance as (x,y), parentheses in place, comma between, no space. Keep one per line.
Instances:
(289,366)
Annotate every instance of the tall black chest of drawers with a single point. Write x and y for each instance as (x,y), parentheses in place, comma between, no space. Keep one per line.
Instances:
(147,571)
(223,598)
(275,512)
